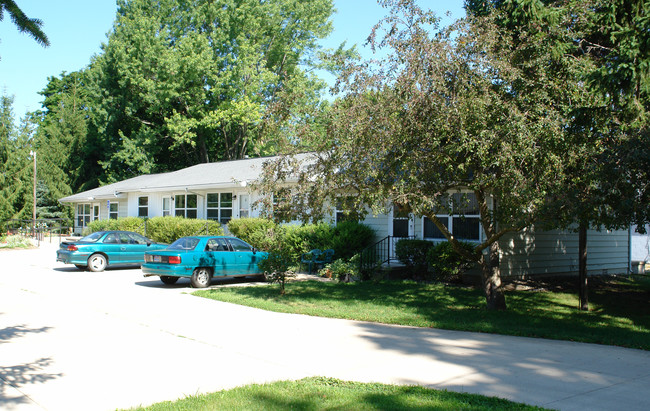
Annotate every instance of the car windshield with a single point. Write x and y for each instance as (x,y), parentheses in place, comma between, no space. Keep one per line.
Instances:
(185,243)
(91,238)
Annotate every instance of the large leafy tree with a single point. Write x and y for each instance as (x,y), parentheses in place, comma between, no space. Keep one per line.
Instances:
(603,47)
(440,115)
(183,82)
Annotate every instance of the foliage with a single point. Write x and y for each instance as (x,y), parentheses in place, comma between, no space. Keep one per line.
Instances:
(447,264)
(413,254)
(536,312)
(440,114)
(15,241)
(341,270)
(180,83)
(23,23)
(320,393)
(278,267)
(346,239)
(160,229)
(259,232)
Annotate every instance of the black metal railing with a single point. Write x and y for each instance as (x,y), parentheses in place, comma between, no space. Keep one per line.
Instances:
(380,253)
(42,229)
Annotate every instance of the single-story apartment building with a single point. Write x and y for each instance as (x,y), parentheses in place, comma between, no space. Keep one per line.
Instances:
(221,191)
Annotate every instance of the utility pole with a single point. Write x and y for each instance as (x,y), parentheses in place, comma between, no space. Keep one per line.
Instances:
(33,154)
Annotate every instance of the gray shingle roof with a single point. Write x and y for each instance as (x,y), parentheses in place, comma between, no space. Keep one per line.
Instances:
(201,176)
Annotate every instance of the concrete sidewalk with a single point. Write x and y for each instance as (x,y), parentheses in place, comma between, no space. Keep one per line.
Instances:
(72,340)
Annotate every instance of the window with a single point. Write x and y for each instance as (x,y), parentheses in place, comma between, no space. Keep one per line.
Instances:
(464,223)
(217,244)
(219,207)
(113,210)
(400,222)
(244,205)
(167,206)
(83,215)
(185,205)
(344,206)
(143,206)
(239,245)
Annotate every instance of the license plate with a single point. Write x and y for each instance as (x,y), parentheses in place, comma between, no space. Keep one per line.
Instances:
(157,259)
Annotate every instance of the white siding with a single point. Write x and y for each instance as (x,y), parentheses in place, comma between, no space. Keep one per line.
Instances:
(556,252)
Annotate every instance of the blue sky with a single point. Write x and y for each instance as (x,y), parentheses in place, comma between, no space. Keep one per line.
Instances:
(77,28)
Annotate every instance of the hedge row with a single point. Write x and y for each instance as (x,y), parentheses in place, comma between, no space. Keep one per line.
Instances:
(346,239)
(160,229)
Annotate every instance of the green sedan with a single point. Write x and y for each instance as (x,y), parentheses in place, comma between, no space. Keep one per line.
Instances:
(100,249)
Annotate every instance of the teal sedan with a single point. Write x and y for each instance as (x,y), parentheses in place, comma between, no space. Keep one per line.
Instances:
(200,258)
(100,249)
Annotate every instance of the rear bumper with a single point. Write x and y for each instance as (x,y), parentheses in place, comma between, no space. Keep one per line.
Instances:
(170,270)
(68,257)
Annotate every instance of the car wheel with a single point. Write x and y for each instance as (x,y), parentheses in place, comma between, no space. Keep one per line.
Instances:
(81,267)
(201,278)
(97,263)
(168,280)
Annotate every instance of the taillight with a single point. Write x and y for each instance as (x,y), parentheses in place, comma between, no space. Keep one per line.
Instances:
(72,248)
(174,259)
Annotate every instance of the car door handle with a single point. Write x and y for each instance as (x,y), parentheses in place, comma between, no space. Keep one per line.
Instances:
(122,248)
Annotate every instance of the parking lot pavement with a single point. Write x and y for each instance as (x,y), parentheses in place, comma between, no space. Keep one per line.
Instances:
(72,340)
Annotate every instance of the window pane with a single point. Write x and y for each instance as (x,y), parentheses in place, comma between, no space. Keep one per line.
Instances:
(143,212)
(465,204)
(179,202)
(191,214)
(179,213)
(213,214)
(430,229)
(226,199)
(114,207)
(191,201)
(143,201)
(466,228)
(213,200)
(226,215)
(86,208)
(166,203)
(401,227)
(239,245)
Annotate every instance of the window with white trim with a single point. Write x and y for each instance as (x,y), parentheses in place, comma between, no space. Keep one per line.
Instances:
(464,222)
(186,205)
(83,214)
(113,210)
(219,207)
(143,206)
(167,206)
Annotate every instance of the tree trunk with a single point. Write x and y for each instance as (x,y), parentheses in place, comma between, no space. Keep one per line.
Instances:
(491,274)
(582,268)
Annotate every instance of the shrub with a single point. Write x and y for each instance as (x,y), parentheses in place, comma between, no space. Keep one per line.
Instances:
(277,267)
(341,270)
(161,229)
(447,264)
(413,253)
(15,241)
(261,233)
(349,238)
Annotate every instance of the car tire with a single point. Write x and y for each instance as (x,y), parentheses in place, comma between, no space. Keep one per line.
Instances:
(166,279)
(97,262)
(81,267)
(201,278)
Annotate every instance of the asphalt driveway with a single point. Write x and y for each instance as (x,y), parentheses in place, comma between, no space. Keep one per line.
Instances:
(72,340)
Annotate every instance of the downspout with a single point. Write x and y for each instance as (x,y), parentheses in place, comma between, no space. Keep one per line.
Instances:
(629,250)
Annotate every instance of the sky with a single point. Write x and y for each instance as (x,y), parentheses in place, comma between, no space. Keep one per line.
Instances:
(77,28)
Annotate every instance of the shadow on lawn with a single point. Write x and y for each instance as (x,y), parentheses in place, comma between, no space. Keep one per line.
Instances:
(620,309)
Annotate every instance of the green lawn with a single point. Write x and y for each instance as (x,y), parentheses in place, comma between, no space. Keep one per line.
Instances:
(330,394)
(619,309)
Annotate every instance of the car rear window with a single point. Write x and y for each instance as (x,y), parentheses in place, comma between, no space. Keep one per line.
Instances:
(91,238)
(185,243)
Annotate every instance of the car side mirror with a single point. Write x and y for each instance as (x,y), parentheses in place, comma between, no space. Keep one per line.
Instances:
(254,250)
(148,243)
